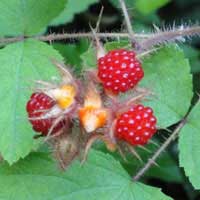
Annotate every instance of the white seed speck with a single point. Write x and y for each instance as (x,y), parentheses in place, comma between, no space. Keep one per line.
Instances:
(109,59)
(123,66)
(116,54)
(148,125)
(138,117)
(102,62)
(110,68)
(104,75)
(118,72)
(145,115)
(126,115)
(137,138)
(138,69)
(131,133)
(152,119)
(125,128)
(110,76)
(139,128)
(131,65)
(116,88)
(149,110)
(121,121)
(117,81)
(126,57)
(146,133)
(119,130)
(108,83)
(131,121)
(140,107)
(124,53)
(117,61)
(123,84)
(104,67)
(125,75)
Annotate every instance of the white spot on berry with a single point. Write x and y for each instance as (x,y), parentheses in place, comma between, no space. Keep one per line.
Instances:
(140,107)
(119,130)
(116,54)
(123,66)
(102,62)
(125,75)
(131,65)
(146,133)
(103,75)
(149,110)
(110,76)
(109,59)
(152,119)
(125,128)
(131,133)
(123,84)
(146,115)
(137,138)
(131,121)
(121,121)
(104,67)
(118,72)
(124,53)
(138,117)
(108,83)
(117,81)
(139,128)
(138,69)
(126,57)
(116,88)
(117,61)
(126,115)
(148,125)
(110,68)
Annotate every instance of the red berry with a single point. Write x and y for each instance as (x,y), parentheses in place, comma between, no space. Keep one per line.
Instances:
(38,105)
(119,71)
(136,126)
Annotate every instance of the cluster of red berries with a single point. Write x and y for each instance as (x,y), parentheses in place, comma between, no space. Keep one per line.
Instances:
(118,71)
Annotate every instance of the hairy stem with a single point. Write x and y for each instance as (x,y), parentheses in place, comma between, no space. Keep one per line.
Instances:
(63,36)
(175,34)
(128,24)
(152,160)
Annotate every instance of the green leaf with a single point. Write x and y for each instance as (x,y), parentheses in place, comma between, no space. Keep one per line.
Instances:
(27,17)
(101,177)
(167,170)
(72,53)
(146,7)
(109,46)
(21,64)
(167,75)
(193,55)
(89,59)
(189,140)
(72,7)
(143,6)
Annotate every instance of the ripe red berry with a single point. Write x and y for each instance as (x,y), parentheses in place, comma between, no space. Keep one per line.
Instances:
(136,126)
(36,107)
(119,71)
